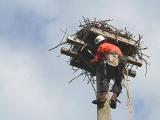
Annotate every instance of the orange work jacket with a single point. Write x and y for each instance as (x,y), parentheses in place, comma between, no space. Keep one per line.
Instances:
(105,49)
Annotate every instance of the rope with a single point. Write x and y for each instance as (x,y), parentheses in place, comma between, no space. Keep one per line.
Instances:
(126,83)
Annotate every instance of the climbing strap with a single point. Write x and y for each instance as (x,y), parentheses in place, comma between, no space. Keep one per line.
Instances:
(126,83)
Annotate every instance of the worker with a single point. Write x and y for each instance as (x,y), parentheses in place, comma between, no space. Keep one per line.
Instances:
(111,54)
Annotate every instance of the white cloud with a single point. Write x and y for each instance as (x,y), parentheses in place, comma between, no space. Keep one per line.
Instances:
(31,87)
(21,85)
(46,8)
(33,81)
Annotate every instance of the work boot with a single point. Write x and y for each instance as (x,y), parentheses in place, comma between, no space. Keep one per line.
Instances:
(113,101)
(101,99)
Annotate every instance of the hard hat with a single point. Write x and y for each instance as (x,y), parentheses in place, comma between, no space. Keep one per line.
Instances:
(98,39)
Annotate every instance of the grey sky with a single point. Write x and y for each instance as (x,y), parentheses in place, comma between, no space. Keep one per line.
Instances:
(33,81)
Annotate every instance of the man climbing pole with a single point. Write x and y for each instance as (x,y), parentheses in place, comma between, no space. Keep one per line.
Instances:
(108,57)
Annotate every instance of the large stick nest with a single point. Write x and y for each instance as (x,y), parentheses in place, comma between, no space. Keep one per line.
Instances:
(88,37)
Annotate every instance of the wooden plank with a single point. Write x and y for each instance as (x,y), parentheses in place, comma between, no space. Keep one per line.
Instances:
(77,42)
(74,41)
(112,36)
(133,61)
(131,73)
(68,52)
(130,60)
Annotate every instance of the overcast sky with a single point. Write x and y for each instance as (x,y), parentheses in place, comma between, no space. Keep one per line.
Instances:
(33,81)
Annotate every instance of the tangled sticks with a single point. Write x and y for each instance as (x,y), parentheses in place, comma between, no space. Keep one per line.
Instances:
(82,47)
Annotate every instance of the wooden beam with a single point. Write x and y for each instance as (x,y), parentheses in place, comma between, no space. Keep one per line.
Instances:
(74,41)
(112,36)
(68,52)
(133,61)
(131,73)
(130,60)
(77,42)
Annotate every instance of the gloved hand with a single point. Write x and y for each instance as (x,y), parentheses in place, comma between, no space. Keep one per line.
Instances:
(123,60)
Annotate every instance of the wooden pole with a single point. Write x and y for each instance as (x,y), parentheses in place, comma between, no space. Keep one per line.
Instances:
(103,111)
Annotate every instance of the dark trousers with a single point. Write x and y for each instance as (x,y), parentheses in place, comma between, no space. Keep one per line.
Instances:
(111,72)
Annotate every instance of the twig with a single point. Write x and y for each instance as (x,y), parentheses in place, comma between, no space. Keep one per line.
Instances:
(92,84)
(63,35)
(76,77)
(64,31)
(58,45)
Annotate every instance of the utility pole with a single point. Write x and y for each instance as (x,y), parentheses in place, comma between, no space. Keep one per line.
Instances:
(103,111)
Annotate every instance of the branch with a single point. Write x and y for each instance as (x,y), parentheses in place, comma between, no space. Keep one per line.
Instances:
(76,77)
(58,45)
